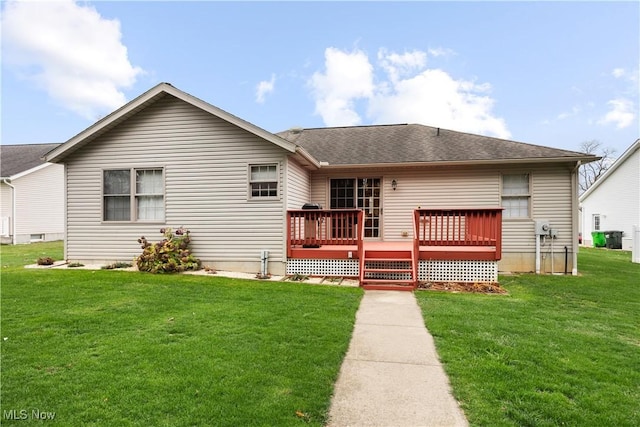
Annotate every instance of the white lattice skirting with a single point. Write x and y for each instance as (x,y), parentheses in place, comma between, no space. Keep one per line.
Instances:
(458,271)
(324,267)
(428,270)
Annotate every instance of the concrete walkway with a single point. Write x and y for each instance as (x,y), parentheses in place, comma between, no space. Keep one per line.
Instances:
(391,375)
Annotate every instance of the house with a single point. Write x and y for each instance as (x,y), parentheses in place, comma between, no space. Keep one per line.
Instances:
(423,202)
(612,203)
(31,194)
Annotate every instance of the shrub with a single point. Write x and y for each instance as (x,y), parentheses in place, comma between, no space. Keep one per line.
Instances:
(116,265)
(170,255)
(45,261)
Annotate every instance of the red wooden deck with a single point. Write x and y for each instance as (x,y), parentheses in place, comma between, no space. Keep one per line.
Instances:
(438,234)
(460,253)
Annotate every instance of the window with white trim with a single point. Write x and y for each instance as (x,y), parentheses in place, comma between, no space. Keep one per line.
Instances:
(146,196)
(596,222)
(516,196)
(263,181)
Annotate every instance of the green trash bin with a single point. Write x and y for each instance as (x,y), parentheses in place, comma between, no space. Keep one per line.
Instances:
(614,239)
(599,240)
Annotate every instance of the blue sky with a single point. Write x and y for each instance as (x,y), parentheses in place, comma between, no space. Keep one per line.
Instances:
(547,73)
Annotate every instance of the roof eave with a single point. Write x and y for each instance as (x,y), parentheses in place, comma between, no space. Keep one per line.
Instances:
(462,162)
(307,158)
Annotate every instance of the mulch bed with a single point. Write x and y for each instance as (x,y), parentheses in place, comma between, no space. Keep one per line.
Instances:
(477,288)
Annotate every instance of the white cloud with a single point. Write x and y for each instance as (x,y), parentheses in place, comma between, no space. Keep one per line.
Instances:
(70,51)
(618,72)
(440,51)
(566,114)
(348,76)
(399,65)
(621,113)
(265,87)
(405,92)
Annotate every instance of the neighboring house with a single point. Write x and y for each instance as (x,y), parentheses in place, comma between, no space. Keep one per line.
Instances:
(612,203)
(31,194)
(413,199)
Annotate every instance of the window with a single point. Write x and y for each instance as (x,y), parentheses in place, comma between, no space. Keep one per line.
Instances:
(342,193)
(596,222)
(263,181)
(515,196)
(147,196)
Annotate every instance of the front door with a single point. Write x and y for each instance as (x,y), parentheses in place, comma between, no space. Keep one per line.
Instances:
(361,193)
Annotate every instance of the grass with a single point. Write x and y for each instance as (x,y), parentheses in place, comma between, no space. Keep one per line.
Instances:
(558,350)
(127,348)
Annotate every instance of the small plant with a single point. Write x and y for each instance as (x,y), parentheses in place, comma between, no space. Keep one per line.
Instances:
(170,255)
(298,277)
(45,261)
(75,264)
(116,265)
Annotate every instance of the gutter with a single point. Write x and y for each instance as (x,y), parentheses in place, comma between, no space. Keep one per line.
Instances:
(326,165)
(13,209)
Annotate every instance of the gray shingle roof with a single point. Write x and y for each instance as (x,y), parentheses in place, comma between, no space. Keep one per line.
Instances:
(19,158)
(413,143)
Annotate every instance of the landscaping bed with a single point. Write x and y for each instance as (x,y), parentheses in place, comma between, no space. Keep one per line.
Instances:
(477,288)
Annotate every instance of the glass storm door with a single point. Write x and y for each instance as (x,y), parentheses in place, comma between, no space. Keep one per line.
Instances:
(361,193)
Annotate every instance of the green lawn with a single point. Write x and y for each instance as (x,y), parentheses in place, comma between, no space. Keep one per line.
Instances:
(120,348)
(125,348)
(558,350)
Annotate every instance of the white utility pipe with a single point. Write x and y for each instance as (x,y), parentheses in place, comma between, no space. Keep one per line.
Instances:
(537,254)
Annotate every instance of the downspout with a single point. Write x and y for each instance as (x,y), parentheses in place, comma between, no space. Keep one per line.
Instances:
(13,210)
(574,214)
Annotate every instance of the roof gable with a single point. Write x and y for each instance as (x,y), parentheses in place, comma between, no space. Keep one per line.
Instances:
(633,148)
(414,143)
(145,100)
(15,159)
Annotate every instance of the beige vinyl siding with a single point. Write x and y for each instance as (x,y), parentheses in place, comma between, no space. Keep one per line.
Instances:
(428,188)
(551,194)
(320,189)
(298,185)
(440,187)
(206,165)
(550,200)
(40,204)
(433,188)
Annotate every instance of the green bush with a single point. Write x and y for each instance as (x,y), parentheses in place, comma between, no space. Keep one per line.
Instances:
(170,255)
(45,261)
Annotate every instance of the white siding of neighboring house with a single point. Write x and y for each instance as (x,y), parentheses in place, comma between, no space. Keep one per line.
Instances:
(39,204)
(616,200)
(206,163)
(6,214)
(473,187)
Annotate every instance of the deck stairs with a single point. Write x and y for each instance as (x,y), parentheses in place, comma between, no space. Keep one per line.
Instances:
(388,269)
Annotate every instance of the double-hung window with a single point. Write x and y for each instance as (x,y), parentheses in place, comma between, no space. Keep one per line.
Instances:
(133,195)
(516,196)
(263,181)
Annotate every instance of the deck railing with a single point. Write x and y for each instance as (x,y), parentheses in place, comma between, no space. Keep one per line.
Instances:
(316,227)
(459,227)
